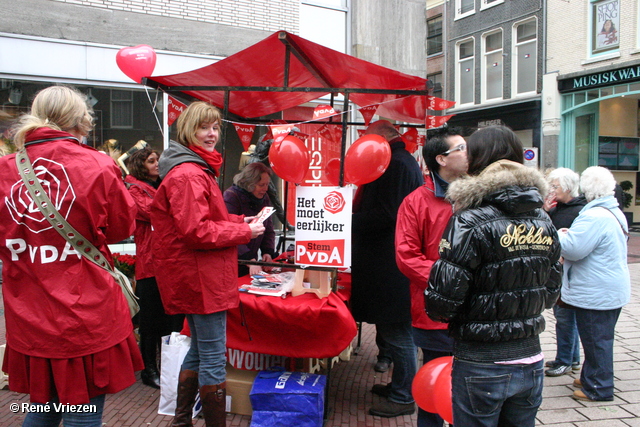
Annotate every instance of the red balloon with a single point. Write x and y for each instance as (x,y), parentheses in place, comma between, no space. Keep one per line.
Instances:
(289,159)
(136,62)
(332,171)
(367,159)
(423,387)
(442,397)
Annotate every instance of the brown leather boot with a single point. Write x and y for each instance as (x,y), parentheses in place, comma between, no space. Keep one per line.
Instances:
(187,390)
(213,398)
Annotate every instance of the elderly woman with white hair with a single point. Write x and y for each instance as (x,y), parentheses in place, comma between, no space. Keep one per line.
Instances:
(596,279)
(564,186)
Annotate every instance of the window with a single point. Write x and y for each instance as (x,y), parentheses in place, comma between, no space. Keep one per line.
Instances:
(121,109)
(434,35)
(436,79)
(485,4)
(325,22)
(492,67)
(465,71)
(525,57)
(605,26)
(464,8)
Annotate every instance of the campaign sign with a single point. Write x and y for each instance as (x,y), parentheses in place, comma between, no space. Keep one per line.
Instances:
(323,226)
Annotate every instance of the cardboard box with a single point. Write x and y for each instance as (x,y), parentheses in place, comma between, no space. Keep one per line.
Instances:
(318,282)
(239,385)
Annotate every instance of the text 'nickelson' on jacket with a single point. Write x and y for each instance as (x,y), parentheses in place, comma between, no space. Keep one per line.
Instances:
(499,264)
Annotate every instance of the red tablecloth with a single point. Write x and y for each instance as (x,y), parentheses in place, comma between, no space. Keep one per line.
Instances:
(302,326)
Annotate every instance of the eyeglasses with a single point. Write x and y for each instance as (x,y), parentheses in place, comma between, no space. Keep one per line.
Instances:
(461,147)
(554,187)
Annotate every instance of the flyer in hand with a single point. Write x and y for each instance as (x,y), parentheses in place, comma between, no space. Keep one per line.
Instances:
(262,216)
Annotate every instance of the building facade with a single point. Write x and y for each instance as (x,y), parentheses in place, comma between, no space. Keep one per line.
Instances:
(592,89)
(494,64)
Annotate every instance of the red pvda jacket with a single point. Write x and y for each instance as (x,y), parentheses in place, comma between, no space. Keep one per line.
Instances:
(143,193)
(422,218)
(195,240)
(57,303)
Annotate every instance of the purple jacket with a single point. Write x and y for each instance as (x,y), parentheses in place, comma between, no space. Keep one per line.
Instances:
(241,202)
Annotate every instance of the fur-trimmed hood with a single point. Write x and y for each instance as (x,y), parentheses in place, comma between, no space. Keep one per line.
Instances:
(511,186)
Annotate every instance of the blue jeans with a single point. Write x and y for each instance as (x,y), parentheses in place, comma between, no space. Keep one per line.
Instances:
(403,352)
(208,344)
(488,394)
(596,328)
(90,417)
(383,348)
(568,340)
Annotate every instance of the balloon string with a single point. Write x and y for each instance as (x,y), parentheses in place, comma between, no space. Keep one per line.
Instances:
(154,103)
(339,113)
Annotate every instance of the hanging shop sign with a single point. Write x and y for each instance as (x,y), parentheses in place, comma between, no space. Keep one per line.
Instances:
(604,78)
(323,226)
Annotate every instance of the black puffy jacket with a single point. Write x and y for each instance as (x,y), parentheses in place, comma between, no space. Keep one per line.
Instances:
(499,265)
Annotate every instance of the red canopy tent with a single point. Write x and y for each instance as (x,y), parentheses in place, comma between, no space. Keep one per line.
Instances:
(284,71)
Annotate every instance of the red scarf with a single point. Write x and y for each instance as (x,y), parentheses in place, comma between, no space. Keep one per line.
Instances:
(213,159)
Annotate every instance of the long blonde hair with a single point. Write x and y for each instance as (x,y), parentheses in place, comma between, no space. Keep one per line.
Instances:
(192,118)
(56,107)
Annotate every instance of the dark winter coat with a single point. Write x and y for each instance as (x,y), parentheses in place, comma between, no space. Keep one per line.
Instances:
(241,202)
(499,265)
(563,214)
(380,292)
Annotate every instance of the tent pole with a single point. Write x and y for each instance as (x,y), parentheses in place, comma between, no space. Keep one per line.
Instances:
(343,146)
(225,114)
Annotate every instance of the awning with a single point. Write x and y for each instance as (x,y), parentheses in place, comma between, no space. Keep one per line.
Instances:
(284,71)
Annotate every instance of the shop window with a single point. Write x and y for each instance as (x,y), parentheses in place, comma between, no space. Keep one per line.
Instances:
(122,109)
(465,8)
(618,153)
(605,26)
(525,57)
(436,79)
(434,35)
(493,66)
(465,72)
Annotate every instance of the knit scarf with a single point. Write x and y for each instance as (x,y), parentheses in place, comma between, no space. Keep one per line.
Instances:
(213,159)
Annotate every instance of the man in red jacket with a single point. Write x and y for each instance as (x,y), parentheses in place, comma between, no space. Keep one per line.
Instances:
(422,218)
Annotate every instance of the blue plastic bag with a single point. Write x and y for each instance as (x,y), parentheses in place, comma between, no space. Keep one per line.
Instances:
(286,399)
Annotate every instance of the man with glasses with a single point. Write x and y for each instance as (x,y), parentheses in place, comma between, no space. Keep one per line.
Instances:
(422,218)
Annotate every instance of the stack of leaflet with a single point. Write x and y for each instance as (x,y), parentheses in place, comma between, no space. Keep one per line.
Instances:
(266,284)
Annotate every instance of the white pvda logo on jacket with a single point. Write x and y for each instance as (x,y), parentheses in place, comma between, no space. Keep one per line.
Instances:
(55,181)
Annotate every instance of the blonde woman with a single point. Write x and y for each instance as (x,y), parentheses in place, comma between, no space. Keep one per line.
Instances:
(69,334)
(195,244)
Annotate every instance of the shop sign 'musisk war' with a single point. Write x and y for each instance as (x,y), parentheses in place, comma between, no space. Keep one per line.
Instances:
(604,78)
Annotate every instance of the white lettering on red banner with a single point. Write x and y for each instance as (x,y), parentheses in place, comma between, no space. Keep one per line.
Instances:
(323,111)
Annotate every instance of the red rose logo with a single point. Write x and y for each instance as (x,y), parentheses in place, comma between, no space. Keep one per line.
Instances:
(55,182)
(334,202)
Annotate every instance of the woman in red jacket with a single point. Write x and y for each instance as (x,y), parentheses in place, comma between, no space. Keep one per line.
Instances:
(143,181)
(195,244)
(69,334)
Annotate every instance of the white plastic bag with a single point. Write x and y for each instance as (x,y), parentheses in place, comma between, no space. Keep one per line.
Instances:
(174,349)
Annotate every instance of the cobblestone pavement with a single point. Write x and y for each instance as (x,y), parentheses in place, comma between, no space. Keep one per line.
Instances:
(351,381)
